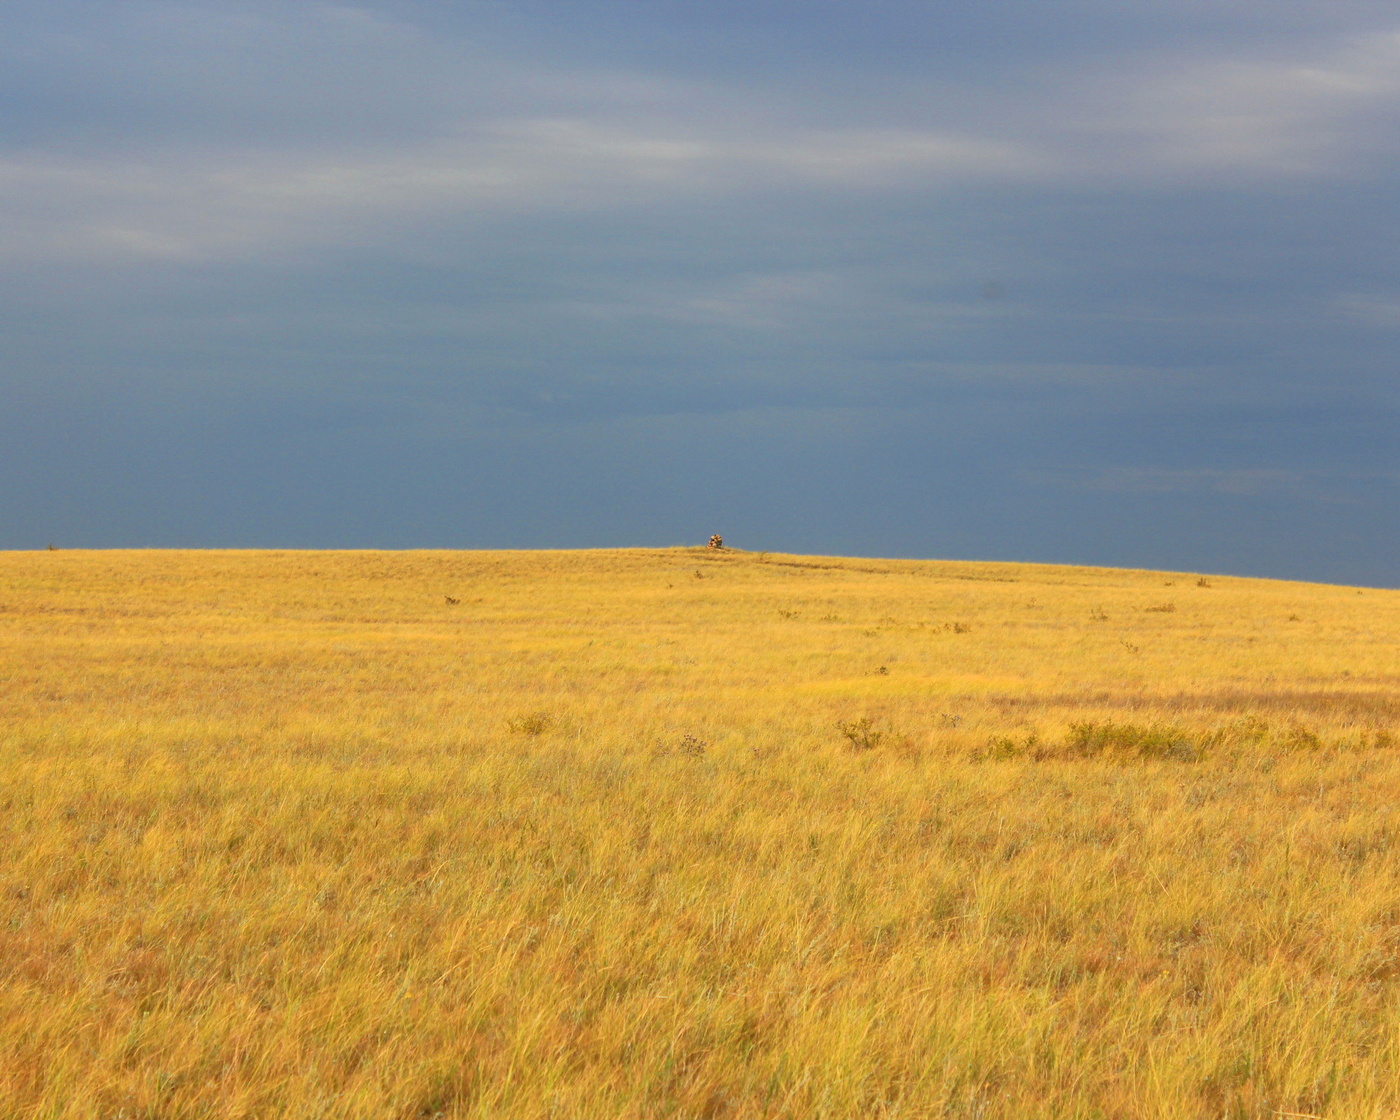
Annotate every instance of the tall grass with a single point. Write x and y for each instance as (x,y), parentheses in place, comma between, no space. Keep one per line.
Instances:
(291,835)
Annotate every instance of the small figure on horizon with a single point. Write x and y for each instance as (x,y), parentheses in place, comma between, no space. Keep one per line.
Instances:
(716,541)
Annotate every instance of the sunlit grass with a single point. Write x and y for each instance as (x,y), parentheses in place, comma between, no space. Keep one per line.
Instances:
(291,834)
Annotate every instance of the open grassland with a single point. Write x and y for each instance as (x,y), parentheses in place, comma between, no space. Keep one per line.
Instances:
(685,834)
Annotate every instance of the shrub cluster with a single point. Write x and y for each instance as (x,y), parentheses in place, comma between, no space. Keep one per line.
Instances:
(1169,742)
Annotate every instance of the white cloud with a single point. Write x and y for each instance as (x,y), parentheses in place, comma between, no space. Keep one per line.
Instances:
(1152,480)
(1312,485)
(234,203)
(521,135)
(1371,309)
(1185,118)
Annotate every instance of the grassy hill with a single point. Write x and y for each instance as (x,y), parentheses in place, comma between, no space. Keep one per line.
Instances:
(656,833)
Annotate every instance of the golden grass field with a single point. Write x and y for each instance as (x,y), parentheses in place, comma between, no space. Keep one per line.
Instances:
(677,833)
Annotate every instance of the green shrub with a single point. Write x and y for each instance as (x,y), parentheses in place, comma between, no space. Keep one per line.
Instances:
(1004,746)
(861,733)
(1091,740)
(534,724)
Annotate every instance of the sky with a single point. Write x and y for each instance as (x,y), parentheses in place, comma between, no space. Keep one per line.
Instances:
(1110,282)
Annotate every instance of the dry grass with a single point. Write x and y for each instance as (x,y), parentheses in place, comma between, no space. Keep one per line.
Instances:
(296,835)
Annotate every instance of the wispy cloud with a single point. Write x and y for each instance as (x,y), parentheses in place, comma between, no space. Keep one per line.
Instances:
(516,137)
(1371,309)
(1311,485)
(1184,117)
(236,203)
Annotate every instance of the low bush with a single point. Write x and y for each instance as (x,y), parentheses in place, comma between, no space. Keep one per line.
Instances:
(1109,740)
(861,734)
(534,724)
(1132,740)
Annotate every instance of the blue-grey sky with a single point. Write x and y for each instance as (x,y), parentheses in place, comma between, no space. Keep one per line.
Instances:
(1098,281)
